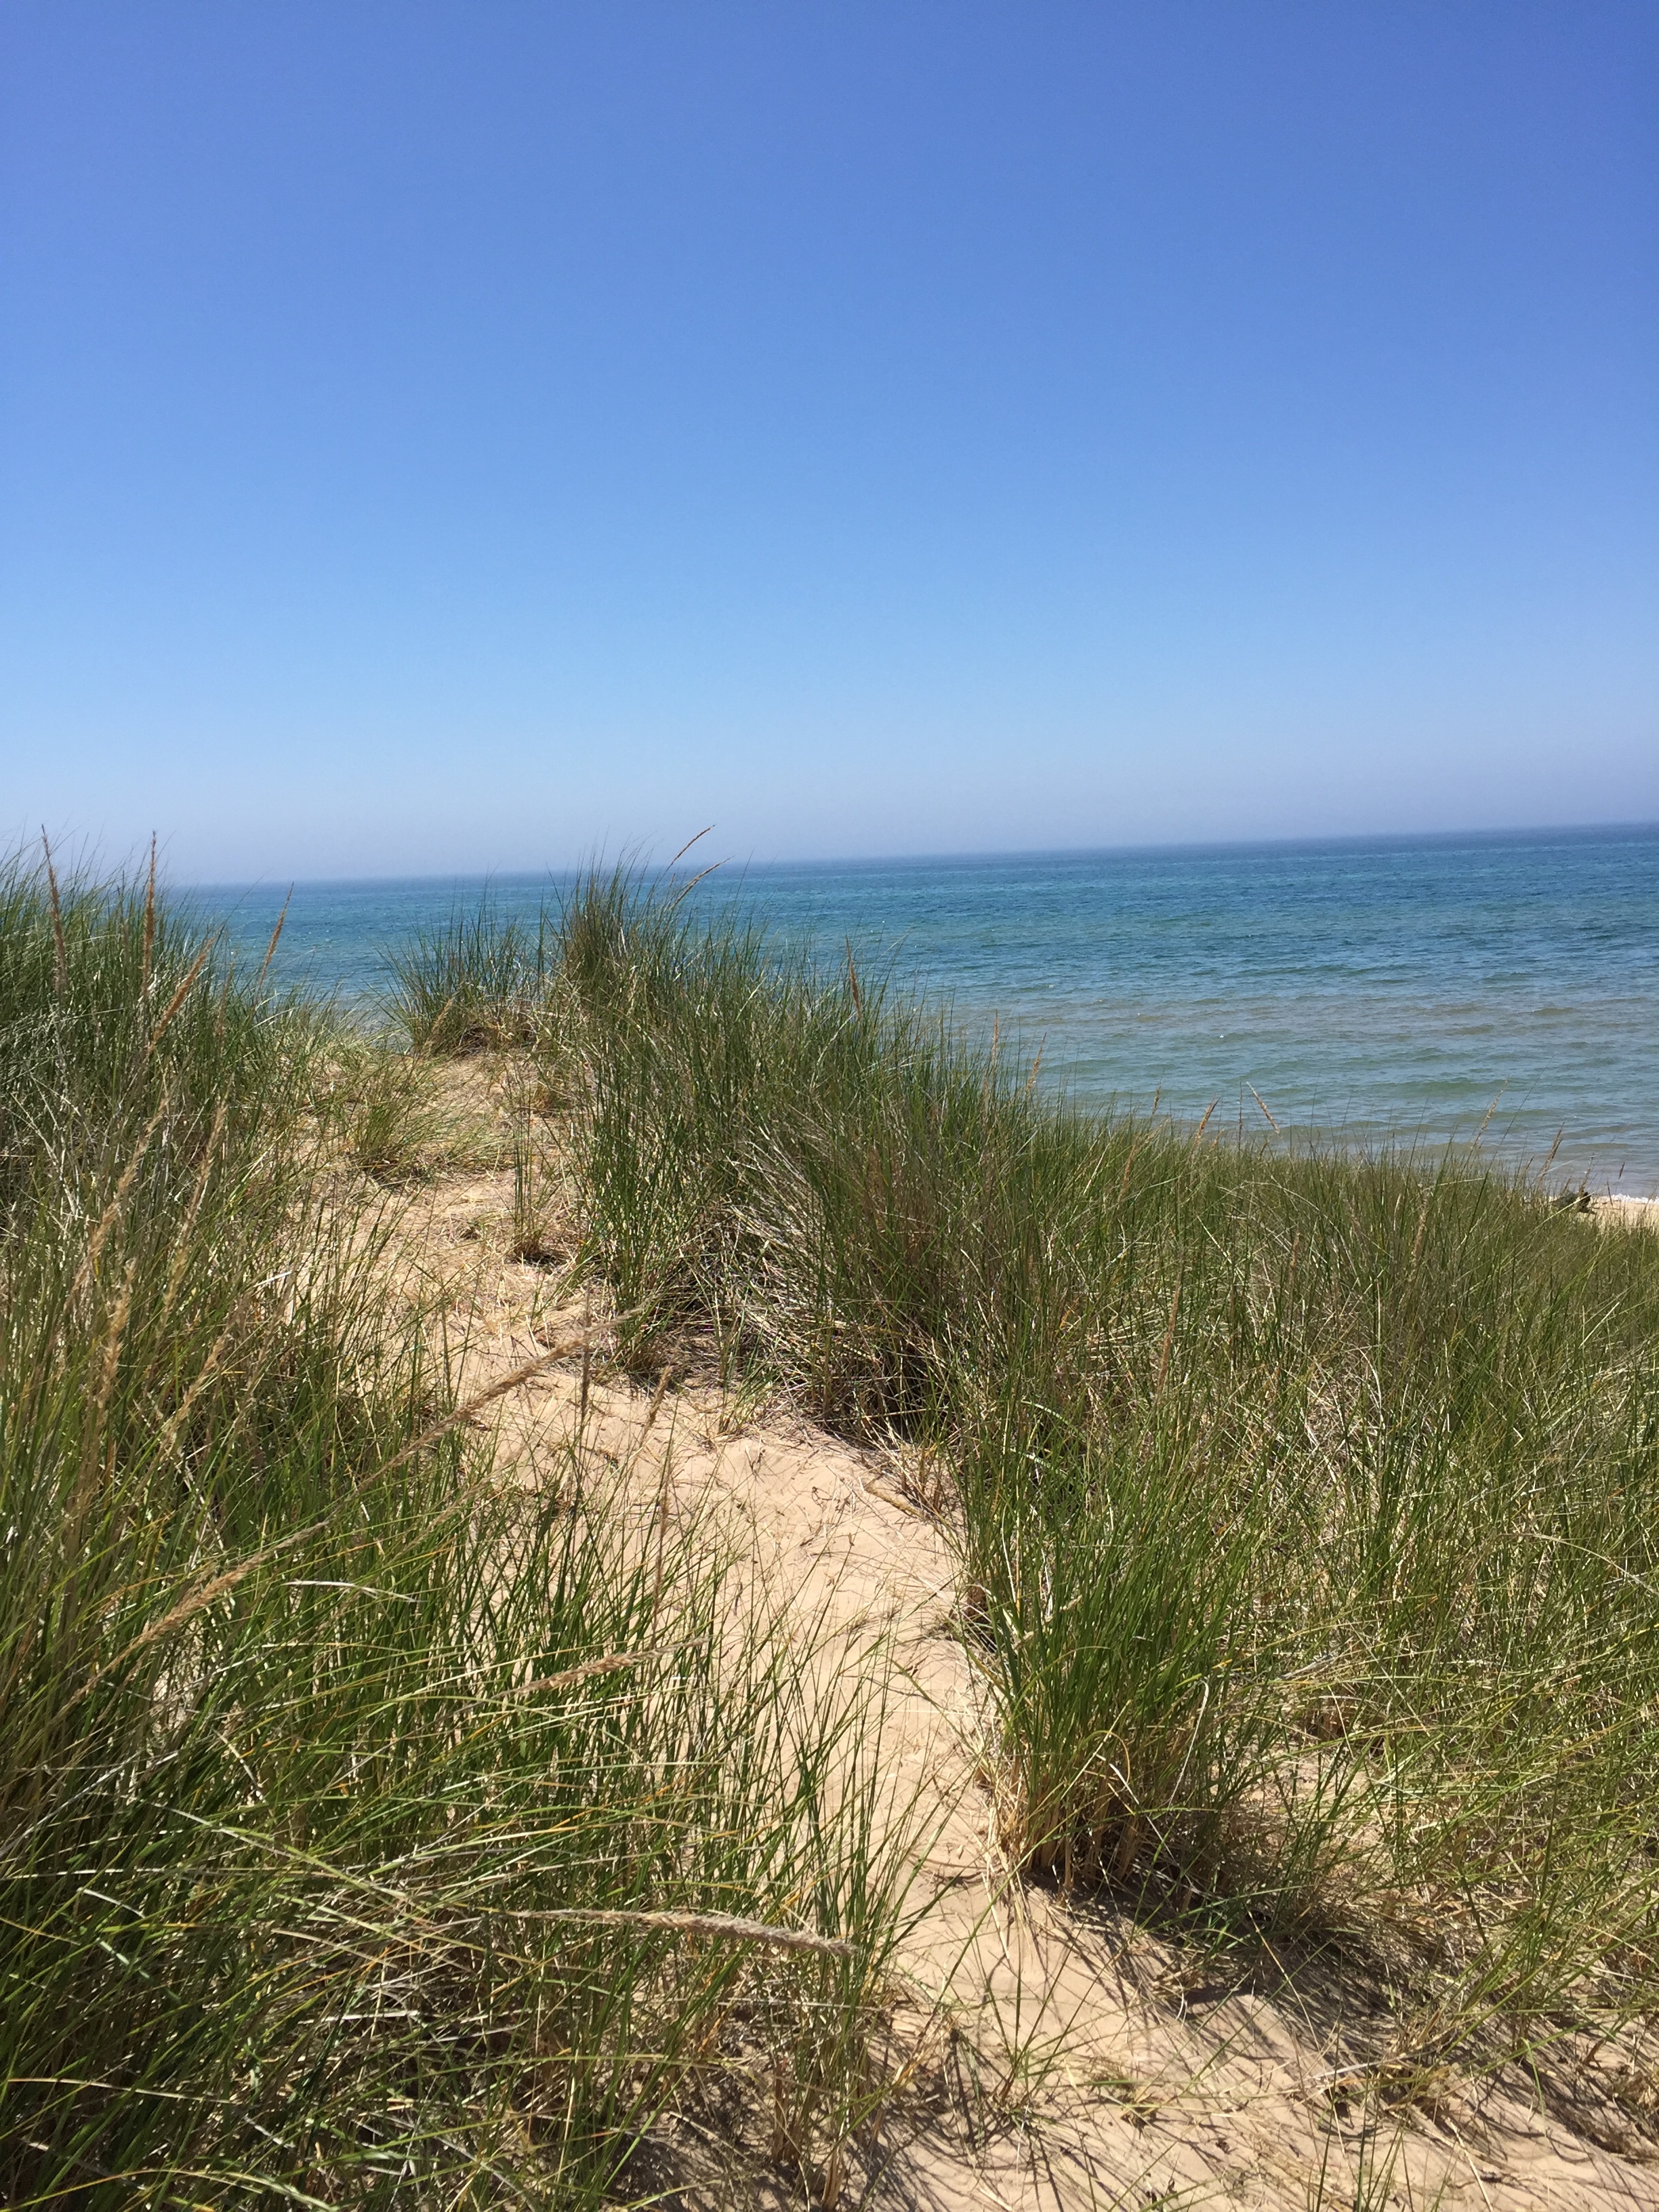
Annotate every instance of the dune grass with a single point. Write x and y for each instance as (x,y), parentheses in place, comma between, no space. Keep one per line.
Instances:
(472,983)
(374,1827)
(1308,1502)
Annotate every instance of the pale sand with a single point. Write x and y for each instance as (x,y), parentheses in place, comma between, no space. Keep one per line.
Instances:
(1162,2082)
(1632,1212)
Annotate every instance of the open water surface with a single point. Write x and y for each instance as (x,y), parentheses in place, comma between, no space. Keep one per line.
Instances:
(1418,989)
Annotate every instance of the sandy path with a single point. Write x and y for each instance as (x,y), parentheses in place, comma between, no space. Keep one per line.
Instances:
(1063,2057)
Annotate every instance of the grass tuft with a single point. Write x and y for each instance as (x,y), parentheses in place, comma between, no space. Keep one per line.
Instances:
(471,984)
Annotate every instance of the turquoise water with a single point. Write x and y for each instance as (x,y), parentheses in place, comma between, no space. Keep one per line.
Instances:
(1406,988)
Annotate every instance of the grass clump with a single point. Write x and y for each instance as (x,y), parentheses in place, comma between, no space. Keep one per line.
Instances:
(472,983)
(382,1106)
(1308,1502)
(373,1828)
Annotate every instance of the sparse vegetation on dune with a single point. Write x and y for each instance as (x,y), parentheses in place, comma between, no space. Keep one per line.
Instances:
(380,1822)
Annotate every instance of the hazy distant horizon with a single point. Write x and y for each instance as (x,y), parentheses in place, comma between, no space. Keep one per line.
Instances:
(736,864)
(341,855)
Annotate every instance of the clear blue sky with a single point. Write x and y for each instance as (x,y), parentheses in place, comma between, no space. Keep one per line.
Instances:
(454,436)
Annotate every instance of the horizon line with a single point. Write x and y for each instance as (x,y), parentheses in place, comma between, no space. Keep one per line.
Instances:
(966,857)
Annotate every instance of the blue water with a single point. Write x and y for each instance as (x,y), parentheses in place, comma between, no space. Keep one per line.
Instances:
(1422,988)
